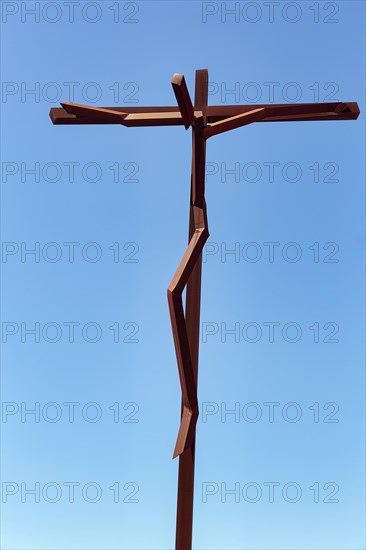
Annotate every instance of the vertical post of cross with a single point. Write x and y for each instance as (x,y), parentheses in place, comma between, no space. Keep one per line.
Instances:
(192,310)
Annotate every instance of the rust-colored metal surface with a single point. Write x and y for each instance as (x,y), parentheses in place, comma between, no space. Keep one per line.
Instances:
(197,225)
(205,121)
(171,116)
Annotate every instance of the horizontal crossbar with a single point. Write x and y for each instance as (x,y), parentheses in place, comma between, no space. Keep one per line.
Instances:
(171,116)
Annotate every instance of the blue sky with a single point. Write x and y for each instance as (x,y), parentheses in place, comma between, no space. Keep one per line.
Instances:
(106,210)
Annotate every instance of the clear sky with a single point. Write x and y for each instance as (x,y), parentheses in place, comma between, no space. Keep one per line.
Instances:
(86,333)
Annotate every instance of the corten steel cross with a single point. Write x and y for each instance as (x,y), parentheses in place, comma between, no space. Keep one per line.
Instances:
(206,121)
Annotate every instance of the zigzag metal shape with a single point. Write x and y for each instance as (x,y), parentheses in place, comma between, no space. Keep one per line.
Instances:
(175,290)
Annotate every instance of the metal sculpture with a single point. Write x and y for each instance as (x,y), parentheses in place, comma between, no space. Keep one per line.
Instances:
(206,121)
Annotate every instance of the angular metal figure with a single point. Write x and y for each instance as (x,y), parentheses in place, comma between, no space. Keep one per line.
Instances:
(206,121)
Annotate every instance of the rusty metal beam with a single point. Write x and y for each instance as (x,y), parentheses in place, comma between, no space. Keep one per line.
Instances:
(183,99)
(206,121)
(197,222)
(171,116)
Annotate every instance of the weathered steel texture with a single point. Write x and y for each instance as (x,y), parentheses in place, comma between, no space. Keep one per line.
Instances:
(181,341)
(98,113)
(205,121)
(183,100)
(197,222)
(230,123)
(171,116)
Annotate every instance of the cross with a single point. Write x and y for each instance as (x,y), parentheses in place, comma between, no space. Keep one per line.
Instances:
(206,122)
